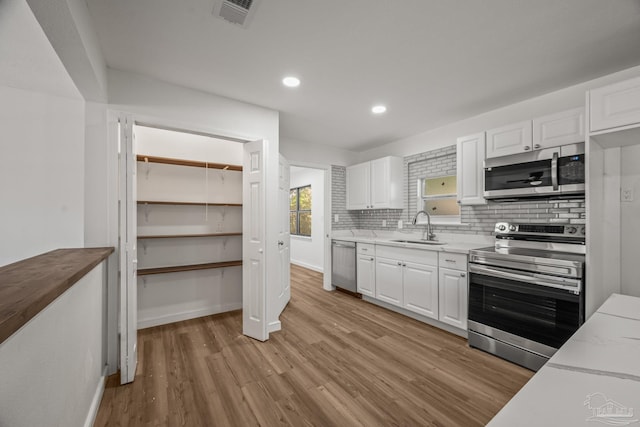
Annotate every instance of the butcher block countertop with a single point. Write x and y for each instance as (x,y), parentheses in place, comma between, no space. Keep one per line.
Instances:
(30,285)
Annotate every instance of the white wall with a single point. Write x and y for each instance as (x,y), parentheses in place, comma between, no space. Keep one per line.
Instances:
(42,162)
(304,152)
(630,221)
(563,99)
(309,252)
(51,368)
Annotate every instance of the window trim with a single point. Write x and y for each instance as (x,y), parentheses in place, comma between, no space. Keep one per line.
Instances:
(298,210)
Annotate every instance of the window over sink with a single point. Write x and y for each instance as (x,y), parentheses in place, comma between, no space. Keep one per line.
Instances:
(438,196)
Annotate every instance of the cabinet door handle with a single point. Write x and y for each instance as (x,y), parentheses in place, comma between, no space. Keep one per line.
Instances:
(537,146)
(527,148)
(463,274)
(404,265)
(372,259)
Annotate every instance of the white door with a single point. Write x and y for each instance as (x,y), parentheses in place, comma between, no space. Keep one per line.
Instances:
(420,290)
(359,186)
(453,297)
(128,253)
(470,155)
(366,275)
(284,234)
(254,271)
(389,280)
(511,139)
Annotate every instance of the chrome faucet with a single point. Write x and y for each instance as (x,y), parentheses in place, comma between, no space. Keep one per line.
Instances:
(429,234)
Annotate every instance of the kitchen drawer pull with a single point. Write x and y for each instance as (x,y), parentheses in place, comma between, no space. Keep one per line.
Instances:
(450,260)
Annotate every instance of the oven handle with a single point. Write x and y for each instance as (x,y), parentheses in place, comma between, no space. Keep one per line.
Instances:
(571,285)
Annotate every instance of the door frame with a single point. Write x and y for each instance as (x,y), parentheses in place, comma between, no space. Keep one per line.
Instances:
(326,282)
(166,124)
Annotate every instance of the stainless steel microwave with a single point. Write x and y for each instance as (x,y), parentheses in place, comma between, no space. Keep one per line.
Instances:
(557,171)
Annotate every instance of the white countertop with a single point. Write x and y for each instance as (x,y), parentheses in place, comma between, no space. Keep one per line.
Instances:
(457,243)
(596,371)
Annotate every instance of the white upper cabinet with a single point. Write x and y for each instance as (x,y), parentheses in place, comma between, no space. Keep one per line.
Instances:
(615,105)
(470,179)
(511,139)
(566,127)
(375,185)
(358,186)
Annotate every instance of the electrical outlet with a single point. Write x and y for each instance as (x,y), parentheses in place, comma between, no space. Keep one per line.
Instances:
(626,195)
(336,218)
(384,222)
(400,224)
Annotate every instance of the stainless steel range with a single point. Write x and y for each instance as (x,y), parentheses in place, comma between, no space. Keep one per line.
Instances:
(526,293)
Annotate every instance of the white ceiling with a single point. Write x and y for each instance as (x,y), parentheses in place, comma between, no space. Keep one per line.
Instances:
(432,62)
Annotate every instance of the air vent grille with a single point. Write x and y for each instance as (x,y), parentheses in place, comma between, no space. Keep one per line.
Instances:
(237,12)
(245,4)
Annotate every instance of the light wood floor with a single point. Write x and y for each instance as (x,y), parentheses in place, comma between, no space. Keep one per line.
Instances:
(338,361)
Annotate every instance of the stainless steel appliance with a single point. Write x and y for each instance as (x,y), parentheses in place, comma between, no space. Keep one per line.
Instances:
(526,293)
(557,171)
(343,264)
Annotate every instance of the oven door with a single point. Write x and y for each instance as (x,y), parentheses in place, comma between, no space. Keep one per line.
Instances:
(532,311)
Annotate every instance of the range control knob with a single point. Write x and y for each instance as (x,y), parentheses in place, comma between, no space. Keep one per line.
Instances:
(582,231)
(502,227)
(512,228)
(572,230)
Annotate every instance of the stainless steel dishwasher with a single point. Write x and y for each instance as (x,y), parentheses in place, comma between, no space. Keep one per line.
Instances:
(343,264)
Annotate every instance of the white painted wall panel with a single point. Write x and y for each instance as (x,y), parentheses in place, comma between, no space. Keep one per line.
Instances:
(51,369)
(41,173)
(630,221)
(309,252)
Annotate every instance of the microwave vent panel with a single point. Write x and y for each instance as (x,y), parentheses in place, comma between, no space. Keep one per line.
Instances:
(238,12)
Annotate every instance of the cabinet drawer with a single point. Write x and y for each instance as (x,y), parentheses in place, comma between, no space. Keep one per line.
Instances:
(366,248)
(453,261)
(410,255)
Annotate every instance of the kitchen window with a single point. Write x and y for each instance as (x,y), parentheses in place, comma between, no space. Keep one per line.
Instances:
(438,196)
(300,211)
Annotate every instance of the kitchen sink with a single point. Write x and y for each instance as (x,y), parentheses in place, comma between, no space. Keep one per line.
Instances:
(421,242)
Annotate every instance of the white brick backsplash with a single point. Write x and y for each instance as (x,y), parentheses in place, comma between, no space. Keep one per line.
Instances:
(476,219)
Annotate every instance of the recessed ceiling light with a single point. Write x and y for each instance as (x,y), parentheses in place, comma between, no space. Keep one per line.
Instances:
(291,81)
(378,109)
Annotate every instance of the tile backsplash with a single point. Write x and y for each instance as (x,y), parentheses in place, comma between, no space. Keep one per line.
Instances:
(475,219)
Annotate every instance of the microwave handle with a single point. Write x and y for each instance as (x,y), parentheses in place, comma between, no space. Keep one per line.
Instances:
(554,171)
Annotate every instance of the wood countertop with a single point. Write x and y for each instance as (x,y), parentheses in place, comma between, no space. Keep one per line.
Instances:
(30,285)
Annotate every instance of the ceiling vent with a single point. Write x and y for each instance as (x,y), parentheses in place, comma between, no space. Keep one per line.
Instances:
(237,12)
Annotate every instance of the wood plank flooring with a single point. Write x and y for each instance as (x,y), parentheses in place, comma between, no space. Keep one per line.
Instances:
(338,361)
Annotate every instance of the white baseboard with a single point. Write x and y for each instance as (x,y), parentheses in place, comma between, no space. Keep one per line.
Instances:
(95,402)
(186,315)
(309,266)
(418,317)
(274,326)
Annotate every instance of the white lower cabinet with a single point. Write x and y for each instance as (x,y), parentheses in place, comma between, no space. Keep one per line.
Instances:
(389,280)
(452,295)
(366,270)
(421,289)
(430,283)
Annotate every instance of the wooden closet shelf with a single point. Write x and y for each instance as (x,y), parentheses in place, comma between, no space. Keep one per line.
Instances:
(175,236)
(180,162)
(166,202)
(178,268)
